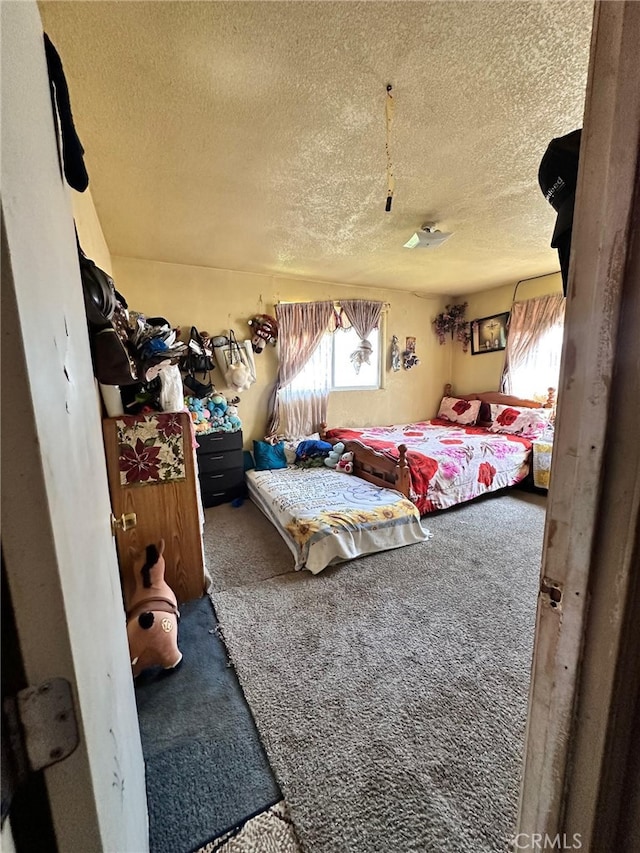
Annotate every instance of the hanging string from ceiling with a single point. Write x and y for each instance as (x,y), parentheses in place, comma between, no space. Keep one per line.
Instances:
(391,181)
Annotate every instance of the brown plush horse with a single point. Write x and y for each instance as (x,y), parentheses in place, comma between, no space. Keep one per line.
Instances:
(152,615)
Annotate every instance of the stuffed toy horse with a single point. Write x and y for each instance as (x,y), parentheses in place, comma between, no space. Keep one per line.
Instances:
(152,615)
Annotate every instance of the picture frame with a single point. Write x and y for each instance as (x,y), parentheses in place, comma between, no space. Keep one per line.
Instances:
(489,334)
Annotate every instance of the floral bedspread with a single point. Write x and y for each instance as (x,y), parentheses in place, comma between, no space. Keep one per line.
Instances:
(326,516)
(449,464)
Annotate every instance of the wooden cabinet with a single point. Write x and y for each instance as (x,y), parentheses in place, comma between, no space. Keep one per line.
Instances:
(152,473)
(220,463)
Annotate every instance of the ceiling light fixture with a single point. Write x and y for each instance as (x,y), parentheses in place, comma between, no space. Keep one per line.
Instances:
(428,237)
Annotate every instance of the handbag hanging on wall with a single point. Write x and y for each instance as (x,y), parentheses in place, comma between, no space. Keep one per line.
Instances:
(197,364)
(240,368)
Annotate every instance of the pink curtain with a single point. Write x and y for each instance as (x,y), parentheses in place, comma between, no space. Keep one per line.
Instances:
(301,326)
(363,314)
(529,323)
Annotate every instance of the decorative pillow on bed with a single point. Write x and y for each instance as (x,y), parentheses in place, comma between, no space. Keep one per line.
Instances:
(269,456)
(459,411)
(291,443)
(514,420)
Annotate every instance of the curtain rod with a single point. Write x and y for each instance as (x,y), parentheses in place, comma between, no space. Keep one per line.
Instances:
(336,302)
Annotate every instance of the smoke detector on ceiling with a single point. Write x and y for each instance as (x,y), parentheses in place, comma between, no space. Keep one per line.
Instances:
(428,237)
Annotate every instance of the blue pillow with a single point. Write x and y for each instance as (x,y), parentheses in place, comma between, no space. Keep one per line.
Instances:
(312,447)
(269,456)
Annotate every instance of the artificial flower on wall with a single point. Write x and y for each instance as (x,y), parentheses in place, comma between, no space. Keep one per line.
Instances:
(451,322)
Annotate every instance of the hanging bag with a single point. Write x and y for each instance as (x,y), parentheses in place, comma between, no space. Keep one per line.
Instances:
(238,375)
(197,364)
(199,355)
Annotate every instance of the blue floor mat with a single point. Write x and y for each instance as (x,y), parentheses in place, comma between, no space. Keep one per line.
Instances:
(206,767)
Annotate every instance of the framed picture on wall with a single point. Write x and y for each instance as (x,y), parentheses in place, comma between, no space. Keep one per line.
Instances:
(489,334)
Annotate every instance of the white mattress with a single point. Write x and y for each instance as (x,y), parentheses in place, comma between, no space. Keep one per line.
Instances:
(326,516)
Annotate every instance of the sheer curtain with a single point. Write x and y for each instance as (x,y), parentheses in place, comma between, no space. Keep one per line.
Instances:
(302,326)
(364,316)
(534,345)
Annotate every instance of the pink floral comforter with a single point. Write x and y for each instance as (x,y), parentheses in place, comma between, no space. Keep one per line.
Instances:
(449,464)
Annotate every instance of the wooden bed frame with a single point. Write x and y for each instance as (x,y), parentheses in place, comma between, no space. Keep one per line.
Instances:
(390,474)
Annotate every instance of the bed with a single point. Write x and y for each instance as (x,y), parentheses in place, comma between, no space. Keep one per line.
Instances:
(438,464)
(328,517)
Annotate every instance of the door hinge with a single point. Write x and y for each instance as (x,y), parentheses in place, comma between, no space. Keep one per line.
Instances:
(41,725)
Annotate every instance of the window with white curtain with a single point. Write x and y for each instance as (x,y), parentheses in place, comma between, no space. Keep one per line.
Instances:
(330,367)
(541,368)
(534,347)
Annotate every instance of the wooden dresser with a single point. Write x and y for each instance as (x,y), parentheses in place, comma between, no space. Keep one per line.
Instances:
(220,463)
(152,473)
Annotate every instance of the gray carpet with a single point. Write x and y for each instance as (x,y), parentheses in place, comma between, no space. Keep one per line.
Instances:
(390,692)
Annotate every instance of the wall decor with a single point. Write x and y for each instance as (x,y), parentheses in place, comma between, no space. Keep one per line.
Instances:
(395,354)
(489,334)
(451,322)
(409,357)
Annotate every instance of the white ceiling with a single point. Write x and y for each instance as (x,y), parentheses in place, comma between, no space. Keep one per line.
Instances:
(251,135)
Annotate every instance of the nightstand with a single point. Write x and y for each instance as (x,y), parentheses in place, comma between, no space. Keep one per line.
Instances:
(221,468)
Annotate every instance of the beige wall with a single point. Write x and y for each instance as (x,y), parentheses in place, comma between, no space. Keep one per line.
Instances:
(217,300)
(89,229)
(483,372)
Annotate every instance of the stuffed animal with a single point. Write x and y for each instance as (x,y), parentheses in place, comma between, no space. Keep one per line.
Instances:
(238,377)
(265,331)
(232,418)
(346,463)
(217,405)
(334,455)
(152,613)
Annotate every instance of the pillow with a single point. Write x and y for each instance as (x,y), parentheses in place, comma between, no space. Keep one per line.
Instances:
(459,411)
(312,447)
(291,443)
(514,420)
(269,456)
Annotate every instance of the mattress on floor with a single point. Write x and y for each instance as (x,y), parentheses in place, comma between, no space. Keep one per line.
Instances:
(326,516)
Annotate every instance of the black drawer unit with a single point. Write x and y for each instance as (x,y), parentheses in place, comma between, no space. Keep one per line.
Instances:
(221,469)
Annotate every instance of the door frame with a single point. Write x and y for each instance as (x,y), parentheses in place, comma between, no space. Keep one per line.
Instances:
(57,542)
(580,719)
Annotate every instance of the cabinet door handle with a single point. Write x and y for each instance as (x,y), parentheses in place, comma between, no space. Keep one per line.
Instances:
(215,476)
(217,494)
(218,457)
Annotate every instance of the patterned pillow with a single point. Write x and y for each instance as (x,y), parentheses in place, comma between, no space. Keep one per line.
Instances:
(514,420)
(459,411)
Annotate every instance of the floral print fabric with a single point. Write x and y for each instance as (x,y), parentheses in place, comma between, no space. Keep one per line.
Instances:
(529,423)
(151,449)
(449,464)
(459,411)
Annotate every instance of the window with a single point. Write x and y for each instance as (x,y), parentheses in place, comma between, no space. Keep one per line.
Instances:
(540,370)
(343,375)
(534,346)
(330,366)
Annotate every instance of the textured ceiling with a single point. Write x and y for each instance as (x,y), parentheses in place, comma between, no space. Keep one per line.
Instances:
(251,136)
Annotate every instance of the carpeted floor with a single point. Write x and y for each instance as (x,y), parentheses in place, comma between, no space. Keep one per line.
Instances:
(390,692)
(205,766)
